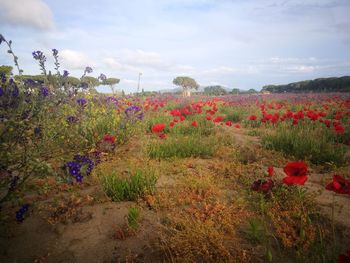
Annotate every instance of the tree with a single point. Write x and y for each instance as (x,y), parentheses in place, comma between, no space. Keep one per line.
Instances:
(90,81)
(111,82)
(6,70)
(235,91)
(215,90)
(186,83)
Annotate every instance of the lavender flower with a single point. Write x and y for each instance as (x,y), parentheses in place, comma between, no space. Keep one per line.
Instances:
(54,52)
(87,70)
(21,212)
(65,73)
(72,119)
(3,77)
(82,102)
(44,92)
(102,77)
(1,38)
(38,55)
(1,91)
(134,113)
(80,166)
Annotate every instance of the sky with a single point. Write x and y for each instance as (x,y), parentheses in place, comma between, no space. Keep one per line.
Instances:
(243,44)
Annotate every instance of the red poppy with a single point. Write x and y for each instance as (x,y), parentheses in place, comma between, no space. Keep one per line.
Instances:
(237,126)
(182,118)
(252,117)
(218,119)
(262,185)
(194,124)
(339,129)
(344,258)
(109,138)
(339,185)
(208,117)
(171,124)
(228,123)
(296,173)
(270,170)
(159,127)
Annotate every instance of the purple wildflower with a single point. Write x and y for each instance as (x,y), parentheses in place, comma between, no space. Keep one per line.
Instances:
(38,55)
(54,52)
(65,73)
(72,119)
(102,77)
(88,70)
(82,102)
(21,212)
(44,92)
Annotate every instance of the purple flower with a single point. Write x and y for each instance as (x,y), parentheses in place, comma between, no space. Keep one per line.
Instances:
(72,119)
(1,91)
(65,73)
(3,77)
(37,131)
(82,102)
(1,38)
(21,212)
(102,77)
(54,52)
(134,113)
(38,55)
(87,70)
(44,92)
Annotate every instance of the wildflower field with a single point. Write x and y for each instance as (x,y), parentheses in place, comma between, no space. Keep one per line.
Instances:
(96,178)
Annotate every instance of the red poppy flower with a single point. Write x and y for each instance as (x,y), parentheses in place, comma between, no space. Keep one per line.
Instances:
(171,124)
(208,117)
(109,138)
(296,173)
(182,118)
(218,119)
(194,124)
(339,129)
(159,127)
(270,171)
(262,185)
(339,185)
(237,126)
(228,123)
(344,258)
(252,117)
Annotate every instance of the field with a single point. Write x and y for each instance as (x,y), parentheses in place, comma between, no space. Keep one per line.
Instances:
(251,178)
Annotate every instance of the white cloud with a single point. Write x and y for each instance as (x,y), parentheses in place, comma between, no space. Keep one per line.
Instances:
(72,59)
(32,13)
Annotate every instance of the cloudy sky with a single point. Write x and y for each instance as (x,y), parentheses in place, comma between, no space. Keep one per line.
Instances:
(235,43)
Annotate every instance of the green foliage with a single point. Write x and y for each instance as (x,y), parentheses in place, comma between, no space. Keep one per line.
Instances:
(185,82)
(135,185)
(317,85)
(215,90)
(91,81)
(7,70)
(133,217)
(182,147)
(306,141)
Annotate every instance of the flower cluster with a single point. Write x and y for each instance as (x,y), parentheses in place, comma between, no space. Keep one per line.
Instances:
(72,119)
(263,186)
(102,77)
(38,55)
(82,102)
(88,70)
(44,92)
(134,113)
(339,185)
(80,166)
(21,212)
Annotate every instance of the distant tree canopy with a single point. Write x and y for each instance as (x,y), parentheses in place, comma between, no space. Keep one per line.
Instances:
(90,81)
(185,82)
(7,70)
(235,91)
(341,84)
(215,90)
(111,82)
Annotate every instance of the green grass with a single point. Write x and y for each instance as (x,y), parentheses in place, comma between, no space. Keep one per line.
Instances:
(132,187)
(306,142)
(182,147)
(133,217)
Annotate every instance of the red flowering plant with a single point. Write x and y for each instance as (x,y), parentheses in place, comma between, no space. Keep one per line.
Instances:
(263,186)
(339,185)
(158,129)
(296,173)
(344,258)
